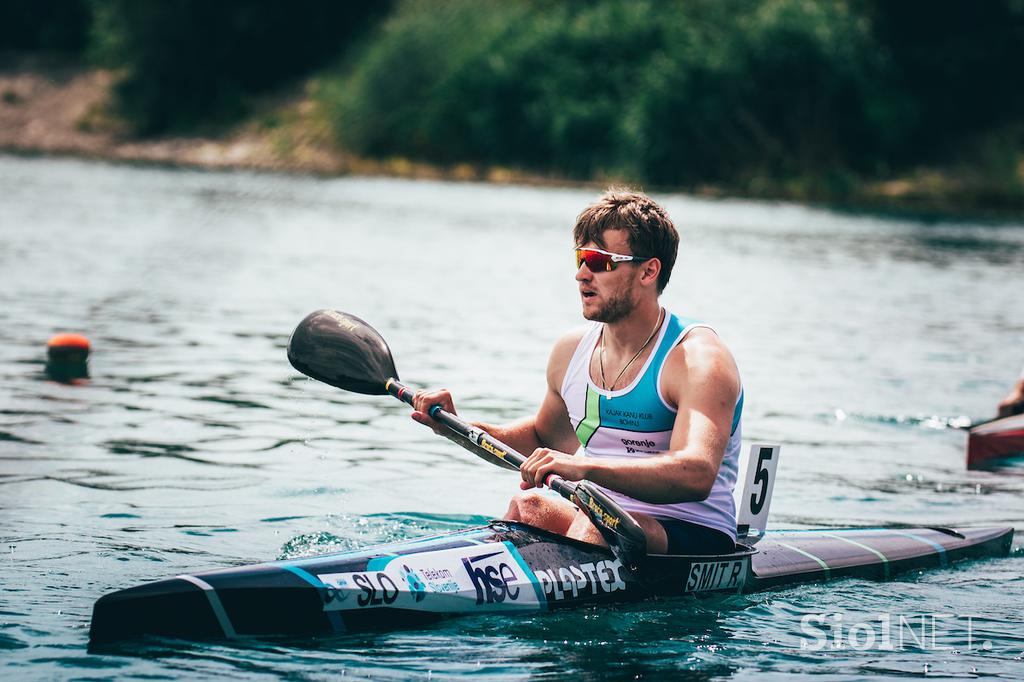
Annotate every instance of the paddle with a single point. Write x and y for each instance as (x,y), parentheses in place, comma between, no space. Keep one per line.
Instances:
(344,351)
(973,425)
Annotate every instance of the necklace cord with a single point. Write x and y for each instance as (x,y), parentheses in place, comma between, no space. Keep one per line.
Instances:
(604,382)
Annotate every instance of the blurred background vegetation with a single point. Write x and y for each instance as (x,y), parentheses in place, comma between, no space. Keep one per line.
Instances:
(805,98)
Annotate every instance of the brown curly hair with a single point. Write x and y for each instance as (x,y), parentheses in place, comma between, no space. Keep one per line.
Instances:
(651,232)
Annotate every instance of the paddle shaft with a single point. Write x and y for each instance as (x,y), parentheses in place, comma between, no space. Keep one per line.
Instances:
(480,438)
(344,351)
(981,423)
(623,534)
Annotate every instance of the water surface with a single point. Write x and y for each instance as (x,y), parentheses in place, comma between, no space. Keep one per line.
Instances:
(195,445)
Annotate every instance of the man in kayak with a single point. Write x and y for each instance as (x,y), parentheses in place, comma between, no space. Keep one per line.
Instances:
(1013,403)
(653,399)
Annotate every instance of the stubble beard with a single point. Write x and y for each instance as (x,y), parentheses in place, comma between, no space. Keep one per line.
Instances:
(618,307)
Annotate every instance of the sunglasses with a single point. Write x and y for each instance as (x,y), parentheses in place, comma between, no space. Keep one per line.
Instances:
(603,261)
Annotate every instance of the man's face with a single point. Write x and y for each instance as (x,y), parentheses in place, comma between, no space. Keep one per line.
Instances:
(608,296)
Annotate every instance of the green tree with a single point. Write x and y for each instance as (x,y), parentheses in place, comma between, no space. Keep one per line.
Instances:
(185,62)
(51,25)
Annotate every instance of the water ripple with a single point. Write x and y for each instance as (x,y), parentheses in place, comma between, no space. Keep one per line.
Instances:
(863,344)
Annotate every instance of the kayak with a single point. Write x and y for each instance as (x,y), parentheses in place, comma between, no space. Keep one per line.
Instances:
(994,440)
(504,567)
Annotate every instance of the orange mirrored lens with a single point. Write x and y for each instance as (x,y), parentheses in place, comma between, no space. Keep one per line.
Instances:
(595,260)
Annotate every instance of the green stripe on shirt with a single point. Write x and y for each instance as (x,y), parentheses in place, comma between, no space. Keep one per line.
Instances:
(592,421)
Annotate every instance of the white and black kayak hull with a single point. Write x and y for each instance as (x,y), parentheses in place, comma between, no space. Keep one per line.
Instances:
(503,567)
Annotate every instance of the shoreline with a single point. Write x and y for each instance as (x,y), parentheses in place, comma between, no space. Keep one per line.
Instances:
(60,110)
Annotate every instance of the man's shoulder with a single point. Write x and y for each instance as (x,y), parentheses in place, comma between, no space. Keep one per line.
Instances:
(702,350)
(562,352)
(567,343)
(700,368)
(702,337)
(573,337)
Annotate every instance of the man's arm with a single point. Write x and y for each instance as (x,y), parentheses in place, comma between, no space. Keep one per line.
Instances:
(1013,403)
(549,428)
(701,378)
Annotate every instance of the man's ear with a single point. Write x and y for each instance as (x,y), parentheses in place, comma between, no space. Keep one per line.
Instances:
(651,270)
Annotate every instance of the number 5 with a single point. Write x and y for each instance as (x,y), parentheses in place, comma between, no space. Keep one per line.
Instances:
(761,476)
(753,503)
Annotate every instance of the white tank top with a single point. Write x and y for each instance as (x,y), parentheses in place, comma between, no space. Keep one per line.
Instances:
(636,421)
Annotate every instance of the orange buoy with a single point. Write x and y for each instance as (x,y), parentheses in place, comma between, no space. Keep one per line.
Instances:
(67,357)
(68,341)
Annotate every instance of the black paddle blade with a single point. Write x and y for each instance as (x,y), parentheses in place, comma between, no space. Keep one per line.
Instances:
(341,350)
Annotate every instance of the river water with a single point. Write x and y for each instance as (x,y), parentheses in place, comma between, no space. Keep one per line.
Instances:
(195,445)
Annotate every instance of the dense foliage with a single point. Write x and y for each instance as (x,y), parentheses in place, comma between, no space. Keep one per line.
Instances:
(52,25)
(657,91)
(682,92)
(667,91)
(958,66)
(186,62)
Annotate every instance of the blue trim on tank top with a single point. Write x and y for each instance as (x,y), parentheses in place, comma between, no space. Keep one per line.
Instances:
(736,414)
(639,399)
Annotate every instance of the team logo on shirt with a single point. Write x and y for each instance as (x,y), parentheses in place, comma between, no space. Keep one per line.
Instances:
(634,445)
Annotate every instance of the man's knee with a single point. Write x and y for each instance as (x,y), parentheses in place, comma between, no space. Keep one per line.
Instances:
(527,507)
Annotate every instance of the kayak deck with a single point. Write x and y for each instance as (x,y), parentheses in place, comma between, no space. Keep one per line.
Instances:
(786,557)
(501,567)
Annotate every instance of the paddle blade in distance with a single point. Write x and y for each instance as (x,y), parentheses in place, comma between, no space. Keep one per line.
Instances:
(342,350)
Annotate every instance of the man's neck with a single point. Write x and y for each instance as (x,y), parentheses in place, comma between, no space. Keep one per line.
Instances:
(627,335)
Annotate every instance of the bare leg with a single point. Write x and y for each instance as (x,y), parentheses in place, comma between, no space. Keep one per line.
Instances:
(551,514)
(560,516)
(582,529)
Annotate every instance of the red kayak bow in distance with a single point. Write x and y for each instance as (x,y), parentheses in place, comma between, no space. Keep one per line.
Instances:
(994,440)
